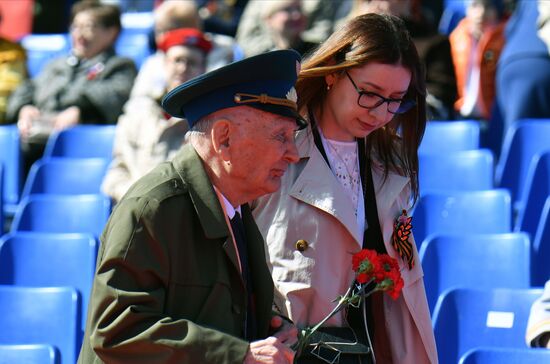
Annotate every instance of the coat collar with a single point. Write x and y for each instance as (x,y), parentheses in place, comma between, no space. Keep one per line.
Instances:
(317,186)
(209,211)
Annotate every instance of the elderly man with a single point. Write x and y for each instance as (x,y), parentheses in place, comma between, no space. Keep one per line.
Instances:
(181,278)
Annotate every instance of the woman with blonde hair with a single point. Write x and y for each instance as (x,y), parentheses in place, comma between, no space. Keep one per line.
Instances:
(363,93)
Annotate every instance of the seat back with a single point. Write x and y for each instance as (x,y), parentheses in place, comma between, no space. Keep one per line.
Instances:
(456,171)
(469,318)
(62,214)
(451,261)
(487,211)
(82,141)
(139,21)
(524,140)
(133,44)
(506,356)
(540,248)
(10,158)
(43,48)
(537,189)
(450,136)
(41,315)
(47,260)
(453,12)
(2,223)
(31,354)
(66,176)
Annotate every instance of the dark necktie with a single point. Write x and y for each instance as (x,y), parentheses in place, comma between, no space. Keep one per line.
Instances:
(240,238)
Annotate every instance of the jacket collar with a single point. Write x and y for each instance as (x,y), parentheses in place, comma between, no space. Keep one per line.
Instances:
(317,186)
(209,211)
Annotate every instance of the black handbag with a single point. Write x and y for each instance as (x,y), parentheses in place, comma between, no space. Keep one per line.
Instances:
(335,345)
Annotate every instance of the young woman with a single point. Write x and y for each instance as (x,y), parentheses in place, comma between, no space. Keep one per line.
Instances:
(363,93)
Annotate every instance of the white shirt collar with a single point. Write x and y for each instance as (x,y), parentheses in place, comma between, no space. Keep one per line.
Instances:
(228,208)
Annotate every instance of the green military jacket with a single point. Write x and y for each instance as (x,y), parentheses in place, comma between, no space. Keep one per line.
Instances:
(168,288)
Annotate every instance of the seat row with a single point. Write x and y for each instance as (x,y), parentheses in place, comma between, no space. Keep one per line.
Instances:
(84,142)
(473,325)
(45,285)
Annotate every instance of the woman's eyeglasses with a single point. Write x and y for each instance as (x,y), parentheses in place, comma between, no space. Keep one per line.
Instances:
(371,100)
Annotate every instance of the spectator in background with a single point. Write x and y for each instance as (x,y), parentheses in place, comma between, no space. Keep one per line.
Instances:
(13,71)
(433,48)
(170,15)
(284,22)
(145,134)
(254,34)
(476,44)
(538,326)
(89,86)
(221,16)
(523,71)
(543,22)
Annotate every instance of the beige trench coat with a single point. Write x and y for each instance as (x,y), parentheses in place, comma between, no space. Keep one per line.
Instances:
(312,205)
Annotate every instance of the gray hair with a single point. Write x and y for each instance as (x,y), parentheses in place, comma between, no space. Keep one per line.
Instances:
(201,128)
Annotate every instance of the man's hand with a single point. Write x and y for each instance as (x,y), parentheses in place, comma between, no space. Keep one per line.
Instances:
(66,118)
(27,115)
(269,351)
(283,330)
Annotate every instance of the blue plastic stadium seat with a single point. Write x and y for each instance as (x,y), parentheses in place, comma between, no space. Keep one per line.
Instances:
(31,353)
(48,260)
(450,136)
(139,21)
(41,315)
(453,12)
(540,248)
(537,189)
(62,214)
(469,318)
(2,222)
(10,158)
(43,48)
(456,171)
(66,176)
(524,140)
(82,141)
(506,356)
(133,44)
(472,212)
(451,261)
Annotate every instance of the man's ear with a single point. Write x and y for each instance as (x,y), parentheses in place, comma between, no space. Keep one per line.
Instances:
(221,133)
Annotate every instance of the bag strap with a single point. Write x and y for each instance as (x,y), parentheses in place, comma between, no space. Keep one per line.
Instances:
(372,238)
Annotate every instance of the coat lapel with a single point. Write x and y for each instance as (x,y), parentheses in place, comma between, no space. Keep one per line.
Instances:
(205,200)
(317,186)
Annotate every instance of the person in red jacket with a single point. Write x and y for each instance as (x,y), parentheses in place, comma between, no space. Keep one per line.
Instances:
(476,44)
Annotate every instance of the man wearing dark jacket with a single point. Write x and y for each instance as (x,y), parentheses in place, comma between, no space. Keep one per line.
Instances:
(181,278)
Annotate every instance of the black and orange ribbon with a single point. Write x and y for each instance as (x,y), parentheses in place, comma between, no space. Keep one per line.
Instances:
(401,242)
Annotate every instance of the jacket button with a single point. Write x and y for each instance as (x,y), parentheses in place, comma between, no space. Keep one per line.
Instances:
(301,245)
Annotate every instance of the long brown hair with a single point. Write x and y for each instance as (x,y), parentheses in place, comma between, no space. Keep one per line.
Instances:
(364,39)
